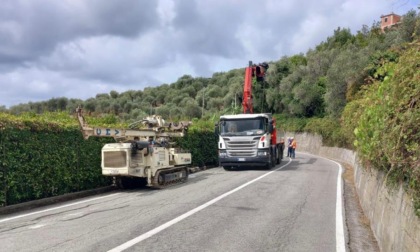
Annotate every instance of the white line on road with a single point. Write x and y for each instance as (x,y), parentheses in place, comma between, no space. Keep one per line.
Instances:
(55,208)
(164,226)
(339,226)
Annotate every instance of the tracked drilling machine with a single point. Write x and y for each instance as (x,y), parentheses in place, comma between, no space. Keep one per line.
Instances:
(143,152)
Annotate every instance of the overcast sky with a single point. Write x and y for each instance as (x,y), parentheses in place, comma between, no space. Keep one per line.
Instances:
(79,48)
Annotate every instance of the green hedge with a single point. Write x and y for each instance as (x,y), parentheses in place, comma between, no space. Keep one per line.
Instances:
(40,158)
(201,142)
(45,155)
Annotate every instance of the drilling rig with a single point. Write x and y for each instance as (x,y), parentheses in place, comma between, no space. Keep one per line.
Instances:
(143,152)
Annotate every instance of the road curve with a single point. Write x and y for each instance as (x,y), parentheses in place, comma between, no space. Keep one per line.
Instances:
(293,207)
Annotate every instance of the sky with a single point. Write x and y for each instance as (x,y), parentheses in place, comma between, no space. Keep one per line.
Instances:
(80,48)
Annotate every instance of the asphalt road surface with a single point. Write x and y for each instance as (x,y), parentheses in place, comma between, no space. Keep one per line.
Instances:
(296,206)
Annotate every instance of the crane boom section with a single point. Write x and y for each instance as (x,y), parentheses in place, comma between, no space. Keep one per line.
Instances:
(247,96)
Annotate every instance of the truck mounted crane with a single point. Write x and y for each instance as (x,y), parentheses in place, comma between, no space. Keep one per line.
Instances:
(142,152)
(249,139)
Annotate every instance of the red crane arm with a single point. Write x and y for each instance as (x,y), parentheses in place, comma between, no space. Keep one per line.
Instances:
(250,72)
(247,96)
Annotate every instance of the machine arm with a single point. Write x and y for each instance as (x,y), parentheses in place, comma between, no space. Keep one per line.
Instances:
(155,127)
(257,71)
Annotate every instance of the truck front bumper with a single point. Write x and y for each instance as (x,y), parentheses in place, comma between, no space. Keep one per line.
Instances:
(244,161)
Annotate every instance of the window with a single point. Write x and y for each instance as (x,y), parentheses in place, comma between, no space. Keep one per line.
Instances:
(244,126)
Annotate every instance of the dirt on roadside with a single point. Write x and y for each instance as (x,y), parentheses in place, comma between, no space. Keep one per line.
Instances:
(361,237)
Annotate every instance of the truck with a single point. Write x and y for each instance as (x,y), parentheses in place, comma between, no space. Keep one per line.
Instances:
(249,139)
(143,153)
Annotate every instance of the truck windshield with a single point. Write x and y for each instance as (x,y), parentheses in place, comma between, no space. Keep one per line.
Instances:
(238,127)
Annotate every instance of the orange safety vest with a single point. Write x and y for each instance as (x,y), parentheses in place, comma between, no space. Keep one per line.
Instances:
(294,144)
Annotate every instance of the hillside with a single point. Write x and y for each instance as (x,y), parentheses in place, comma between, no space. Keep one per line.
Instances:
(316,84)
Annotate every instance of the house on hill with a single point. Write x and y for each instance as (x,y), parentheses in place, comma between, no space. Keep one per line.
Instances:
(387,21)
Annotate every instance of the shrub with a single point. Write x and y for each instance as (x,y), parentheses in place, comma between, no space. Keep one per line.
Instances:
(388,136)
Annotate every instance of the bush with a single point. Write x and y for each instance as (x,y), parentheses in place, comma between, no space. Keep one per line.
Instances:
(41,158)
(290,124)
(329,129)
(201,142)
(388,135)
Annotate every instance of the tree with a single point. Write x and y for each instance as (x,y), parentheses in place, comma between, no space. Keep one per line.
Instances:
(104,106)
(346,70)
(190,90)
(102,96)
(192,110)
(114,94)
(407,26)
(184,81)
(164,111)
(62,103)
(90,105)
(215,103)
(175,113)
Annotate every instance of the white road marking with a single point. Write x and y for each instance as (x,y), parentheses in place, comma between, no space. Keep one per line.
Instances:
(74,214)
(164,226)
(340,241)
(339,227)
(55,208)
(37,226)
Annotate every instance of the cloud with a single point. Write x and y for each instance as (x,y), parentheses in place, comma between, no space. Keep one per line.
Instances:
(78,48)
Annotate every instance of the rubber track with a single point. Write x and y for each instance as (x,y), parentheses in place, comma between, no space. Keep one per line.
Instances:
(156,185)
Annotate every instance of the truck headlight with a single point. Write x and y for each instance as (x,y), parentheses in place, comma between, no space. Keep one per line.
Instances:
(262,153)
(222,153)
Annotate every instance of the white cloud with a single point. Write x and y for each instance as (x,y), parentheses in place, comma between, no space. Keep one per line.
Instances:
(77,48)
(313,29)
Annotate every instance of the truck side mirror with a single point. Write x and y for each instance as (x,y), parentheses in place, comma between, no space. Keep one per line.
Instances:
(216,129)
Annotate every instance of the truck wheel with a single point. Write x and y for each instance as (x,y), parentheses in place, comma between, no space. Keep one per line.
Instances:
(269,165)
(227,168)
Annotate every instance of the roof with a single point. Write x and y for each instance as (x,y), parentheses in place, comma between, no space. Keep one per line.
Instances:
(391,14)
(245,116)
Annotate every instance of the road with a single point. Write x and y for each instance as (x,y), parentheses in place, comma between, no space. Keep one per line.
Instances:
(293,207)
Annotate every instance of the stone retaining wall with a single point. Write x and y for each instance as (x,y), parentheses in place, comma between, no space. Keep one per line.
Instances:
(390,212)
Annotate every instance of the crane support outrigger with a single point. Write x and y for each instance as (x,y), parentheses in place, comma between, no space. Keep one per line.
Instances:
(142,152)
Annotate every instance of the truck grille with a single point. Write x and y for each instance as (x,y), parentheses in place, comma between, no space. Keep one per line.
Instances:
(115,159)
(240,148)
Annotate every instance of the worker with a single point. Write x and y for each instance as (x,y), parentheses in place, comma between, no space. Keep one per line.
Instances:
(289,147)
(294,145)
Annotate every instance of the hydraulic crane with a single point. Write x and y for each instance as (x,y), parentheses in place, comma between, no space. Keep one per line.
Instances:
(249,139)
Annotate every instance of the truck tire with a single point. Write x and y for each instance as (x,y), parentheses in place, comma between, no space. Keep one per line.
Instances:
(269,164)
(227,168)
